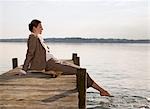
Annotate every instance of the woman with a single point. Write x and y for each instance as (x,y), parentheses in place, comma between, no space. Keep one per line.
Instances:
(38,57)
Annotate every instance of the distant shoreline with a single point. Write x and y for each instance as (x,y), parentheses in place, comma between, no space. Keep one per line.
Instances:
(82,40)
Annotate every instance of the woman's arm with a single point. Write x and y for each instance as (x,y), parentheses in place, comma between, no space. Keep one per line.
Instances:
(30,51)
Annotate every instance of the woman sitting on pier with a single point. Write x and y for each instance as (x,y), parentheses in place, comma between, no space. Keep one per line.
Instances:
(38,57)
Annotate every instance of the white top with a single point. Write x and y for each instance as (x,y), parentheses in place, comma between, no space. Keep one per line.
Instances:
(48,54)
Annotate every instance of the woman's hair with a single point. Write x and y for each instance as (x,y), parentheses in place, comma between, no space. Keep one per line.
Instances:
(34,23)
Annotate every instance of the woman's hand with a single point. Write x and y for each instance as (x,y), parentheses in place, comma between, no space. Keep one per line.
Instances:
(22,72)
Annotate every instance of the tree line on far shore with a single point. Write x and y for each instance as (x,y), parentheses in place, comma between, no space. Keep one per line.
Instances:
(83,40)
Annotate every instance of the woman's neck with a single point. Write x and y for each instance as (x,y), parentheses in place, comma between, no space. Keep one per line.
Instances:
(35,34)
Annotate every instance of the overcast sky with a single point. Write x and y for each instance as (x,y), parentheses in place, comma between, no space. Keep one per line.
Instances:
(77,18)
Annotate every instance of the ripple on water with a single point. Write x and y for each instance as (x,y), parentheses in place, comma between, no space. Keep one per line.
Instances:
(94,101)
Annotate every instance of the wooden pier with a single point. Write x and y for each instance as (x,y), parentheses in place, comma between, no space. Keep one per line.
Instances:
(42,91)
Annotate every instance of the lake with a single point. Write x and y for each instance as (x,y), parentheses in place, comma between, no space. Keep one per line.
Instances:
(122,69)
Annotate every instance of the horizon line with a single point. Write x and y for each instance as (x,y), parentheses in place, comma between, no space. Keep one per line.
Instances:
(76,38)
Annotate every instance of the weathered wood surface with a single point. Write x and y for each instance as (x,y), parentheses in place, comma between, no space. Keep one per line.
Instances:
(38,91)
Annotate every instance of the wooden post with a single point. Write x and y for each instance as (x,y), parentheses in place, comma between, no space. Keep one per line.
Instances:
(81,81)
(14,62)
(74,55)
(76,59)
(82,85)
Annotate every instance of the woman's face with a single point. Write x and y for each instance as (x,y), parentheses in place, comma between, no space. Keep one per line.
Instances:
(38,29)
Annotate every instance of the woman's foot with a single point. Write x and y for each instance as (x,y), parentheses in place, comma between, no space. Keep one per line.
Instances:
(104,93)
(100,89)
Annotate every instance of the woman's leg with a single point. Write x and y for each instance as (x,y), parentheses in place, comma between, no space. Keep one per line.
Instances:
(61,66)
(67,68)
(92,83)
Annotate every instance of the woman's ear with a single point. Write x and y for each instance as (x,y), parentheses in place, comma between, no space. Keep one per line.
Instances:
(34,29)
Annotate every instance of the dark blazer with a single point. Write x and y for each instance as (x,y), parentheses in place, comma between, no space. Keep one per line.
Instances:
(36,54)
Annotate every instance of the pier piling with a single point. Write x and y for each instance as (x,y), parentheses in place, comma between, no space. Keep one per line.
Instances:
(14,63)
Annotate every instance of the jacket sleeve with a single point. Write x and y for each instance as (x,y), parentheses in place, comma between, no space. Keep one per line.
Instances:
(31,44)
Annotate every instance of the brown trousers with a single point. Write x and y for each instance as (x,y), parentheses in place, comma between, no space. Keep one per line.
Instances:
(66,68)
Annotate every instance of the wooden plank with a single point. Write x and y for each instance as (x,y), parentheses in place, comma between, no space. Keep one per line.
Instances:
(36,92)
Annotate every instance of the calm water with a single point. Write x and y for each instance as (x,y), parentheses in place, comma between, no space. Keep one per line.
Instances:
(122,69)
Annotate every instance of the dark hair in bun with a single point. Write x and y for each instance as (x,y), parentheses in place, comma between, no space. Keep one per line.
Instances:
(34,23)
